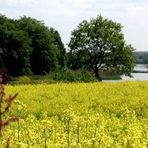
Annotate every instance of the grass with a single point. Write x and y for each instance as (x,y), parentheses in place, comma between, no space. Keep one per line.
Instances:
(65,76)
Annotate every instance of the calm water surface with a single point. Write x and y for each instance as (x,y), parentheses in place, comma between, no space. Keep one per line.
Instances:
(136,76)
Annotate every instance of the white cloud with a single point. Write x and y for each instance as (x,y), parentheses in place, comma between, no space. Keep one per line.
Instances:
(20,1)
(65,15)
(135,10)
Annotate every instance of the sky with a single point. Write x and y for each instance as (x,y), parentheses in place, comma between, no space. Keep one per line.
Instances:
(65,15)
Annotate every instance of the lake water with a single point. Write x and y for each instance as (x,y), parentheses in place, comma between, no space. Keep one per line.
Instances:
(138,76)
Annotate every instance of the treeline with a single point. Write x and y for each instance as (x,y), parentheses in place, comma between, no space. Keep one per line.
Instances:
(27,46)
(141,57)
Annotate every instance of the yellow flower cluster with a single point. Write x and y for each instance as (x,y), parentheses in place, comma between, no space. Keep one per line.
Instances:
(90,115)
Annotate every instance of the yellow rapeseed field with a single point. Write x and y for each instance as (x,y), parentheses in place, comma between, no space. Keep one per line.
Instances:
(87,115)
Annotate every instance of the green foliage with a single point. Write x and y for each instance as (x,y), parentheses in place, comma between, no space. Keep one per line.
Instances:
(99,44)
(73,76)
(141,57)
(48,49)
(59,48)
(24,79)
(27,45)
(15,47)
(64,75)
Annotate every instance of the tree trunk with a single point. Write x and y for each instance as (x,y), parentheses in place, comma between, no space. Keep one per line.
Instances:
(97,75)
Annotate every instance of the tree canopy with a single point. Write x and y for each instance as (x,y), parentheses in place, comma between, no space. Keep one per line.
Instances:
(15,47)
(28,46)
(99,44)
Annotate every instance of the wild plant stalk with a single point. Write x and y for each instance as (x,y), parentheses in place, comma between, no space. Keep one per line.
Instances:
(78,133)
(28,144)
(95,132)
(45,139)
(18,131)
(68,133)
(86,130)
(5,105)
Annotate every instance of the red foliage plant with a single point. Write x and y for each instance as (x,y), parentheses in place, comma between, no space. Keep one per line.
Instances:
(5,105)
(3,76)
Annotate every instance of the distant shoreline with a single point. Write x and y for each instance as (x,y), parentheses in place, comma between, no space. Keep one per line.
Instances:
(139,71)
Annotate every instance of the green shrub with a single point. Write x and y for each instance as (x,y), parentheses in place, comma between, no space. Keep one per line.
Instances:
(67,75)
(24,79)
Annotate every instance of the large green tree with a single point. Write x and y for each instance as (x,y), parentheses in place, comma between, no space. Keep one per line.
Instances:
(59,48)
(99,44)
(48,48)
(14,47)
(27,45)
